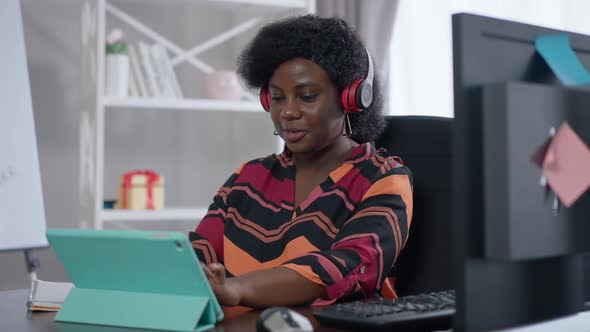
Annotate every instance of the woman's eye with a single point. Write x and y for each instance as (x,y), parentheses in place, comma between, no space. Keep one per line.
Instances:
(308,98)
(276,98)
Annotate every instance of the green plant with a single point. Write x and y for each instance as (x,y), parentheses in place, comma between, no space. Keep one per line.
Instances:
(119,47)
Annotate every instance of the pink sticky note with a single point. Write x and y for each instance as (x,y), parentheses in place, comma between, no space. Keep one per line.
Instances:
(567,165)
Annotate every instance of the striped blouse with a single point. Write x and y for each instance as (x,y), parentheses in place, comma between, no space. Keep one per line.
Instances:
(346,235)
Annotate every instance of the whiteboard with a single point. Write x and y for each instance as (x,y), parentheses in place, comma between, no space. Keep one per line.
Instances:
(22,214)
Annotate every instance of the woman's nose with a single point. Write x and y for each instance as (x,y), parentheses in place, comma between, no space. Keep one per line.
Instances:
(290,109)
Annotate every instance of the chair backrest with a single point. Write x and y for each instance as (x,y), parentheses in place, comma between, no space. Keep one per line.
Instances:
(424,144)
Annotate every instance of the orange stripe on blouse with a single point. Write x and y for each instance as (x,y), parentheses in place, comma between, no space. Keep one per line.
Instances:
(340,260)
(391,217)
(306,272)
(266,236)
(242,262)
(339,172)
(239,170)
(205,247)
(395,184)
(387,290)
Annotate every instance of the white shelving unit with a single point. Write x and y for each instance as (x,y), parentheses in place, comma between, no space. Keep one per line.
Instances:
(182,104)
(148,215)
(95,106)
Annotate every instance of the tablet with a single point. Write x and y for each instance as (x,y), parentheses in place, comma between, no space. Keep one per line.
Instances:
(149,262)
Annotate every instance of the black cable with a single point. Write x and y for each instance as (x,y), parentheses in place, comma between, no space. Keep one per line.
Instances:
(32,262)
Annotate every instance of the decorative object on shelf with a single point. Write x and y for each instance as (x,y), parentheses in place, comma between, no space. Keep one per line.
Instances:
(223,84)
(117,66)
(108,204)
(141,190)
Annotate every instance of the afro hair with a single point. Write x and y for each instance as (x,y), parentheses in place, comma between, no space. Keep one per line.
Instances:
(330,43)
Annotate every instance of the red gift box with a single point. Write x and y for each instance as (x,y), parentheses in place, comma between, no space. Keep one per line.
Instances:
(140,190)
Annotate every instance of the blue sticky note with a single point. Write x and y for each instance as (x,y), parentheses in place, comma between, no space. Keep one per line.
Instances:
(560,57)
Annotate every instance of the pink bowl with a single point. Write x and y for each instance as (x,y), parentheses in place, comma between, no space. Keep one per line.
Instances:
(223,84)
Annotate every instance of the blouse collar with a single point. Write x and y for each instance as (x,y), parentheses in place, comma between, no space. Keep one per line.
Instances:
(361,153)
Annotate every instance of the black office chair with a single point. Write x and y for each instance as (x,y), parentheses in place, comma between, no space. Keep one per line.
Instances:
(424,144)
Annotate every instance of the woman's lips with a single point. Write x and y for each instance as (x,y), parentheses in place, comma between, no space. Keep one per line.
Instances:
(293,136)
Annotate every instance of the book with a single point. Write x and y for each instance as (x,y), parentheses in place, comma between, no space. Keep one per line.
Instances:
(136,71)
(163,81)
(47,295)
(148,71)
(133,89)
(169,72)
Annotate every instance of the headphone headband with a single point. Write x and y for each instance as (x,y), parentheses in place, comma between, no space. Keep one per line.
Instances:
(371,70)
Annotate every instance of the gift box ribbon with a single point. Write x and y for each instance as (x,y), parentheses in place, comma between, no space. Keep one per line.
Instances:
(152,178)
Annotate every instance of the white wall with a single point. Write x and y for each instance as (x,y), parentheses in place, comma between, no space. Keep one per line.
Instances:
(421,55)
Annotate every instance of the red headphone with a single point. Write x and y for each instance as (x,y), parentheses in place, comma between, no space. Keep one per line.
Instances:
(355,97)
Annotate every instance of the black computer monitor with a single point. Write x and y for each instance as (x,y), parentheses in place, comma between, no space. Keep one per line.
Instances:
(515,260)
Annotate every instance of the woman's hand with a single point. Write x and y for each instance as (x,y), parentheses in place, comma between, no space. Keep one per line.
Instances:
(226,290)
(263,288)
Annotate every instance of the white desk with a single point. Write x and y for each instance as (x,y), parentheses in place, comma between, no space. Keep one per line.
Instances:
(576,323)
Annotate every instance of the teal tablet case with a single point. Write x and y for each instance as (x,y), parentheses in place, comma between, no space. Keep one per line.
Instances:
(138,279)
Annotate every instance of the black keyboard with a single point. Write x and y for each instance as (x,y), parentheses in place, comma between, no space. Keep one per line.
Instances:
(428,311)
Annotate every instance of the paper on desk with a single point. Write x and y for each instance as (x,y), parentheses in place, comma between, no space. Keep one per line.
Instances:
(558,54)
(567,165)
(48,295)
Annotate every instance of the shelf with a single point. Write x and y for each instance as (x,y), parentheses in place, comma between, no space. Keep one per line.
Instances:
(287,4)
(232,18)
(270,3)
(113,215)
(183,104)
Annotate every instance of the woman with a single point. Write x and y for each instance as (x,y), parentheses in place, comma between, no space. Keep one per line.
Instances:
(325,219)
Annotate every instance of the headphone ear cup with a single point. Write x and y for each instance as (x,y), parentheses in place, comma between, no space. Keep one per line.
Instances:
(364,95)
(351,97)
(265,99)
(344,99)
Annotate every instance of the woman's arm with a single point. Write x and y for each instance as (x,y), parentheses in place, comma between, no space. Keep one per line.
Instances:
(263,288)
